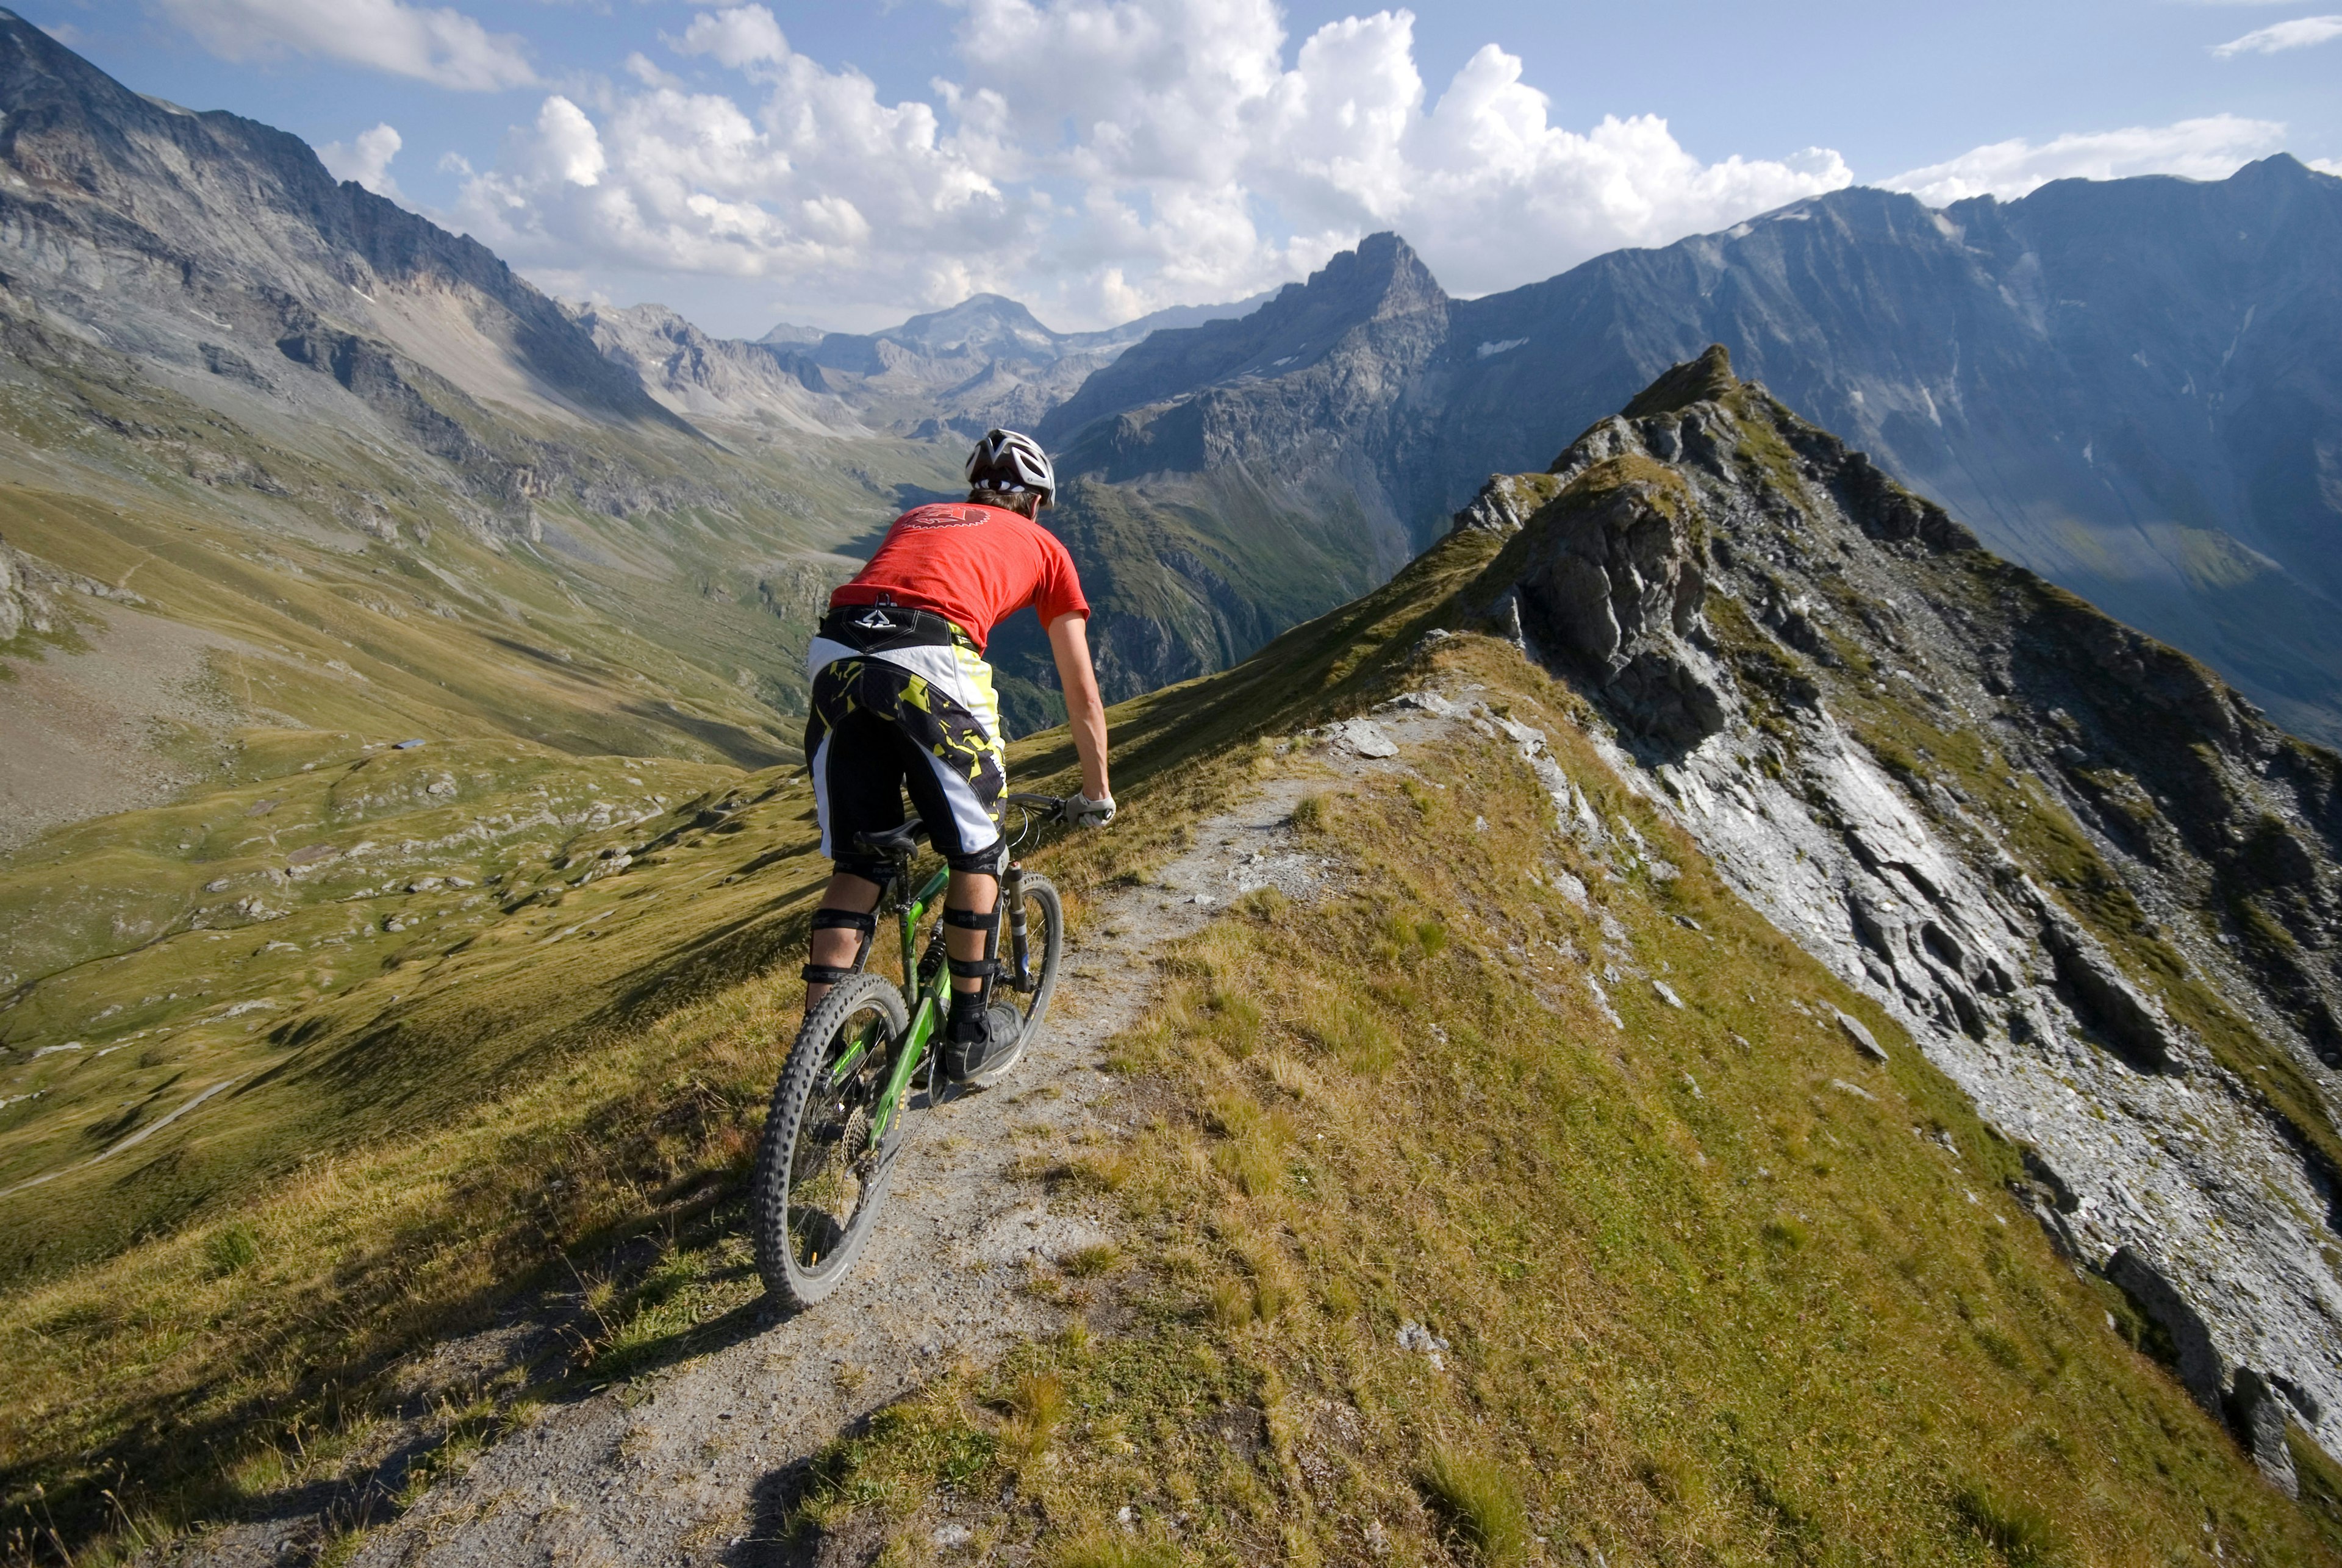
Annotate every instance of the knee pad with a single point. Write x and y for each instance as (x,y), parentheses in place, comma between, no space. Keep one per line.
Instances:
(869,868)
(841,920)
(985,861)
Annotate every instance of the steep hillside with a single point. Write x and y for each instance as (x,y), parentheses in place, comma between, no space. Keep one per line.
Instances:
(2094,883)
(314,462)
(1644,1038)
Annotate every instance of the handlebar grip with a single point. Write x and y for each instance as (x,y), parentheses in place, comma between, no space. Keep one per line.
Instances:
(1051,806)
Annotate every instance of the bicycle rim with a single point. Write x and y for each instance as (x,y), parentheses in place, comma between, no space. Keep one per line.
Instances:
(820,1177)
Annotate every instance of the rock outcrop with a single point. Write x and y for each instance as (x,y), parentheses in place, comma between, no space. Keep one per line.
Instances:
(2103,892)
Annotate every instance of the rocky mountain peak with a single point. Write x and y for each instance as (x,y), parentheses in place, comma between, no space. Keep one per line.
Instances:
(1702,380)
(981,326)
(2101,890)
(1381,289)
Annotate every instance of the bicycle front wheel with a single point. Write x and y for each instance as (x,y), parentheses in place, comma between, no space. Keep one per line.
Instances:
(820,1173)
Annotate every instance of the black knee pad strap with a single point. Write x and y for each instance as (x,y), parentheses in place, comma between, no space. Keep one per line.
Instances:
(826,919)
(985,969)
(985,861)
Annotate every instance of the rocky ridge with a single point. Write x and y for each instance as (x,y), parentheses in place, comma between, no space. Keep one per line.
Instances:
(2097,884)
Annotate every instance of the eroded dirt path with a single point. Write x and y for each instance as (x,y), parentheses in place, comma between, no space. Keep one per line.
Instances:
(693,1464)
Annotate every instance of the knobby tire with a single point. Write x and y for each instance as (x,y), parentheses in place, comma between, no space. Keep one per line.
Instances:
(801,1148)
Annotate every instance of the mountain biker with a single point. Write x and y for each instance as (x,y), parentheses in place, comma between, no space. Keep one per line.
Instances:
(903,699)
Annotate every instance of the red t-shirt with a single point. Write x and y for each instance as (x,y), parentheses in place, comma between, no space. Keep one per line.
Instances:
(975,565)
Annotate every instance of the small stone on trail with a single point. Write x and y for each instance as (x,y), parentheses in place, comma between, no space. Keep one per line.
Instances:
(1365,737)
(1857,1090)
(1862,1037)
(948,1535)
(1667,993)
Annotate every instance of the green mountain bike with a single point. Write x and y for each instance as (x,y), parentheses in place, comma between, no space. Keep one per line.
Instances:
(861,1063)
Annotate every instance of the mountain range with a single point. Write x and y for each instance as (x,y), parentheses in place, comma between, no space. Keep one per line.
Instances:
(2117,381)
(2127,384)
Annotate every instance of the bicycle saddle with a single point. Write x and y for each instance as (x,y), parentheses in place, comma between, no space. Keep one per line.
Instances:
(894,841)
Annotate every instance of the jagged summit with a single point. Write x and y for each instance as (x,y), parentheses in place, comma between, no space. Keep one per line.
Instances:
(1702,380)
(1383,281)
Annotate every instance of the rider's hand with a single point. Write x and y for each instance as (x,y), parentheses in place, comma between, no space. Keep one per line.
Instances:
(1084,812)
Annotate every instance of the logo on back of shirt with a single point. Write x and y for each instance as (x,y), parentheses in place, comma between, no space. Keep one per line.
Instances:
(943,514)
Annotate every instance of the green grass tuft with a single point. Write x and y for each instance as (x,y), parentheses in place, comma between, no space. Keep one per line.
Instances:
(1480,1503)
(2021,1530)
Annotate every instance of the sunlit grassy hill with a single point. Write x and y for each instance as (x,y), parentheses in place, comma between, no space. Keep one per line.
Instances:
(1709,1287)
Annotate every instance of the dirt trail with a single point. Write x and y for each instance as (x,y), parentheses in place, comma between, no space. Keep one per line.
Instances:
(692,1464)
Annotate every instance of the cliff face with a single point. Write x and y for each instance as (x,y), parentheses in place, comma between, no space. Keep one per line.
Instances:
(2095,883)
(122,211)
(2129,385)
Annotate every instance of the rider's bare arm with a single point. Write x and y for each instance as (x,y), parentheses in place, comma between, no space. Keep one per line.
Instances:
(1069,641)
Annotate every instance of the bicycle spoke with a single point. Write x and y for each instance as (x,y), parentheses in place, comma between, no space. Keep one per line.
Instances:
(829,1168)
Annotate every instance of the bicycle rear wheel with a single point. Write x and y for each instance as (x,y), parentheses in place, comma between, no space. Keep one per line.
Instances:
(1045,945)
(820,1178)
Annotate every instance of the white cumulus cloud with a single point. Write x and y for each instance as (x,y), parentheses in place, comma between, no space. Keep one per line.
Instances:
(1099,157)
(2211,148)
(365,158)
(440,46)
(2299,34)
(739,36)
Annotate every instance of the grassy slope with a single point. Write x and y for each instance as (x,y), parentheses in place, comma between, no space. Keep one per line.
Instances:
(654,621)
(1714,1288)
(1703,1305)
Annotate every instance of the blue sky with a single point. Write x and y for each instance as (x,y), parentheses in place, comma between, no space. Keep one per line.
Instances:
(850,162)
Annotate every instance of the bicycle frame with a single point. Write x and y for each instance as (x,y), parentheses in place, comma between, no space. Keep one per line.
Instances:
(927,1002)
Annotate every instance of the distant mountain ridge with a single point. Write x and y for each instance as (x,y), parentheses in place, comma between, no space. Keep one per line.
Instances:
(983,362)
(2133,385)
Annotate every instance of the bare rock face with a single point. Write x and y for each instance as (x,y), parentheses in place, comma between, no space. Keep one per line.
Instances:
(1610,585)
(2100,890)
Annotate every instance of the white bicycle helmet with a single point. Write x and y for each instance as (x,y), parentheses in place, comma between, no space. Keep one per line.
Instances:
(1006,460)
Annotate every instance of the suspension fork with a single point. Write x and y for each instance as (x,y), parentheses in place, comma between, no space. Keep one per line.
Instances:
(1012,895)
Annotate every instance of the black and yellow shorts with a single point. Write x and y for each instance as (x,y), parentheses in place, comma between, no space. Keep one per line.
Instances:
(902,701)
